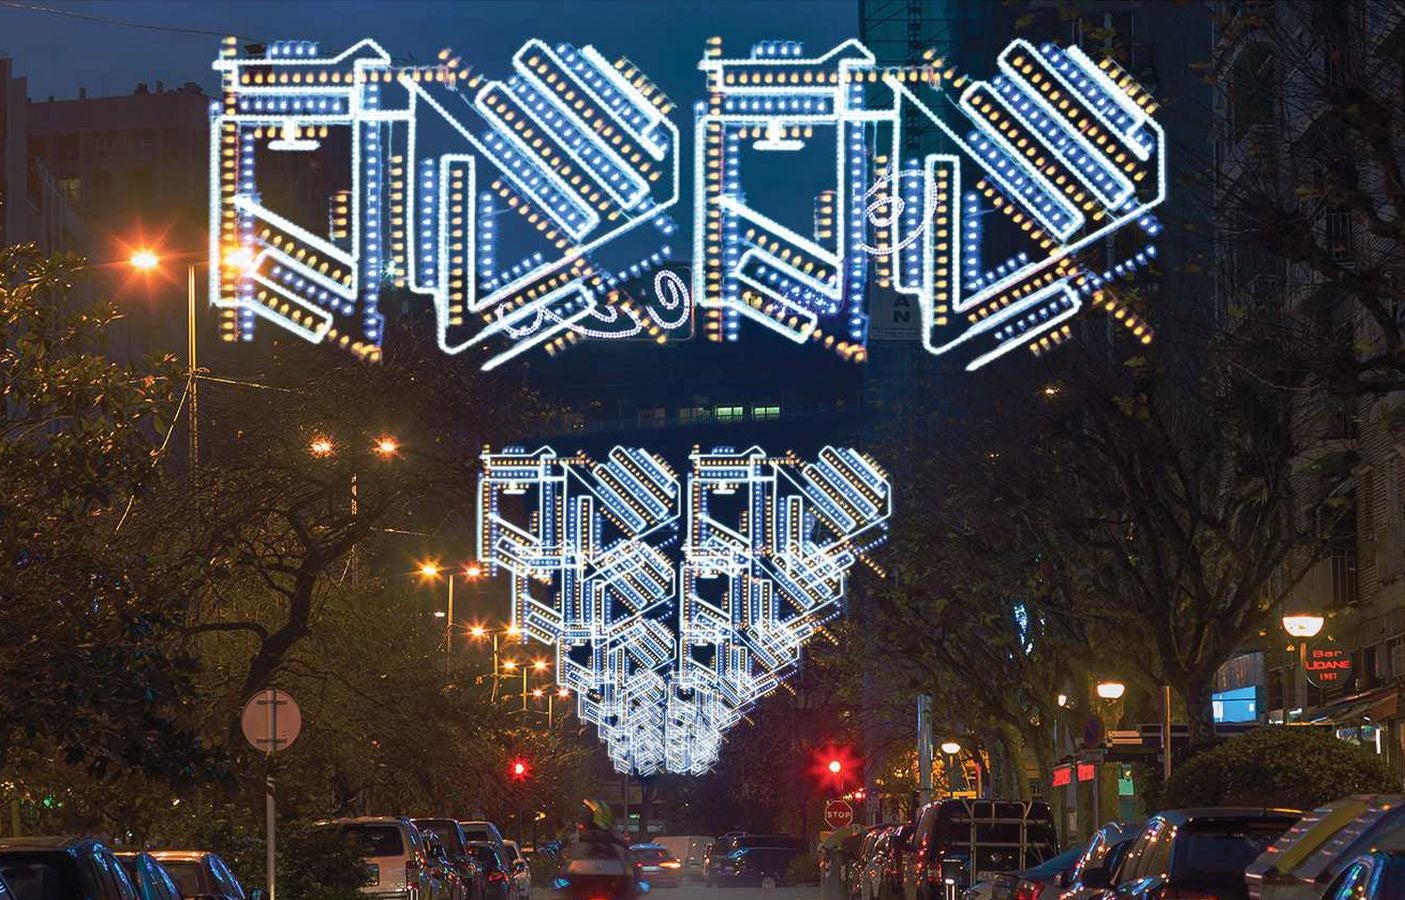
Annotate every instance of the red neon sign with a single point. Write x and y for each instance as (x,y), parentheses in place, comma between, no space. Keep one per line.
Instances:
(1063,776)
(1087,771)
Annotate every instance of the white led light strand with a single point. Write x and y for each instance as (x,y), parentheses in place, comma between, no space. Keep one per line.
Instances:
(674,608)
(1048,158)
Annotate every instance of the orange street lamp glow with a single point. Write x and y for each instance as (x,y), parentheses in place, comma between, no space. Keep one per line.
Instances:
(387,445)
(510,665)
(321,447)
(563,693)
(429,570)
(473,570)
(145,260)
(539,665)
(477,631)
(537,693)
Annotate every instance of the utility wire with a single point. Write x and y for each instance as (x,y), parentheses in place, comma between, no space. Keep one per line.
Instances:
(105,20)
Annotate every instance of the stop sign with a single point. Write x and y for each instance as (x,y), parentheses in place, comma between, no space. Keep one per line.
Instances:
(838,814)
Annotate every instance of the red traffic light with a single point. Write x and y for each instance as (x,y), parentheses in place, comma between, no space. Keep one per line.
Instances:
(835,767)
(518,769)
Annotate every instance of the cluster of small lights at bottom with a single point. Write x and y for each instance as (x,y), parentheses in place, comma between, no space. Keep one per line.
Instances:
(675,604)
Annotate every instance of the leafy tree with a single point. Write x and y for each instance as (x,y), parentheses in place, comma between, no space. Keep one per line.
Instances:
(1288,766)
(89,671)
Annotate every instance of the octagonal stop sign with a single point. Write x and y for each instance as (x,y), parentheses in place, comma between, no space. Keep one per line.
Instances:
(838,814)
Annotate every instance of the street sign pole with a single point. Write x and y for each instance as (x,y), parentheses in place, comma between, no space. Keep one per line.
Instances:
(271,721)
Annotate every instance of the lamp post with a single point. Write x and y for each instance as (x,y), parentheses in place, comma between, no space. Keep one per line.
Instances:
(1302,626)
(387,446)
(146,260)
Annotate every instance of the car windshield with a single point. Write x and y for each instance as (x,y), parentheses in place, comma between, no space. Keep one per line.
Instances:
(1224,848)
(447,833)
(650,854)
(487,857)
(41,876)
(187,877)
(477,832)
(376,840)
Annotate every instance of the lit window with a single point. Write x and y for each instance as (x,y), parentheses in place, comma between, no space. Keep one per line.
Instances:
(731,413)
(765,412)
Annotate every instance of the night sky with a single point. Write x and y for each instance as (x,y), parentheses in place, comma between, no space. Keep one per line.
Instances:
(60,53)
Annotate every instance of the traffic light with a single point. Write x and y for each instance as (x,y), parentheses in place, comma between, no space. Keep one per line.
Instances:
(518,769)
(835,767)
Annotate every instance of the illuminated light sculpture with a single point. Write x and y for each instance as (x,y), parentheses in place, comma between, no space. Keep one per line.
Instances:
(1048,158)
(568,159)
(566,162)
(675,607)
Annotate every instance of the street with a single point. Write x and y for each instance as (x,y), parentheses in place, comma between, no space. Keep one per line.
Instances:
(695,890)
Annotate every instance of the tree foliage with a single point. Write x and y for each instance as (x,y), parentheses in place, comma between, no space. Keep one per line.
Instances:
(90,674)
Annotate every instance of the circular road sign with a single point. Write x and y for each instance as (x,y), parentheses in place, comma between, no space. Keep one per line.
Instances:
(271,721)
(838,814)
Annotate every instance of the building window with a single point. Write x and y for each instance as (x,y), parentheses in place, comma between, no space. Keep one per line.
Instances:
(694,414)
(731,413)
(765,412)
(72,190)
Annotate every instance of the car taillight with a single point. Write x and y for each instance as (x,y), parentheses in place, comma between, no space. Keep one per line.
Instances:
(497,875)
(1026,890)
(1170,893)
(934,872)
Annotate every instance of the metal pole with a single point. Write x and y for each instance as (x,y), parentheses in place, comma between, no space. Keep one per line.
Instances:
(449,633)
(1166,732)
(190,354)
(269,809)
(924,749)
(494,696)
(524,692)
(272,837)
(1302,678)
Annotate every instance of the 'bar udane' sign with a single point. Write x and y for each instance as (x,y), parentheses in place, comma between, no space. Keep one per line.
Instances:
(1328,667)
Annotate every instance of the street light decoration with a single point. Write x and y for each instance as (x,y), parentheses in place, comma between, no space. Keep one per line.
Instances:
(676,602)
(997,240)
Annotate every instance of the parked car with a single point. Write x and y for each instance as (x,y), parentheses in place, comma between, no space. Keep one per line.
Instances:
(151,880)
(657,866)
(442,869)
(200,873)
(500,883)
(38,868)
(397,861)
(873,865)
(521,871)
(861,868)
(959,842)
(1100,860)
(690,849)
(455,845)
(1041,882)
(763,867)
(716,852)
(1378,875)
(1198,852)
(480,831)
(1299,864)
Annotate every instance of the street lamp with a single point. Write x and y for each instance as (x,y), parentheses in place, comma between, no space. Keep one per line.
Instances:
(951,748)
(1302,626)
(1111,690)
(321,447)
(145,260)
(386,445)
